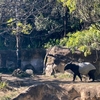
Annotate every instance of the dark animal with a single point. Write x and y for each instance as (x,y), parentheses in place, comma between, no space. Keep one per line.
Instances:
(84,68)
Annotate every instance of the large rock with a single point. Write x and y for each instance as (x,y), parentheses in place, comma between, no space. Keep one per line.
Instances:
(41,92)
(60,56)
(55,92)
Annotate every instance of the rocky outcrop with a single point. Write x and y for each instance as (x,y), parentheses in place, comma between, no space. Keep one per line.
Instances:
(30,59)
(61,55)
(55,92)
(20,73)
(56,56)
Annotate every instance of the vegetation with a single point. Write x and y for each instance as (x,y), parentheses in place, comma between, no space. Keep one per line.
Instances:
(3,85)
(64,76)
(5,98)
(45,23)
(85,40)
(71,4)
(88,37)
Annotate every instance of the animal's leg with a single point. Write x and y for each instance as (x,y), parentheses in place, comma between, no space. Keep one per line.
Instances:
(54,73)
(91,75)
(79,76)
(54,68)
(74,77)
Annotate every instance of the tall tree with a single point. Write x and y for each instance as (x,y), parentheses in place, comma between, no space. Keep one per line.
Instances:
(15,18)
(18,25)
(88,12)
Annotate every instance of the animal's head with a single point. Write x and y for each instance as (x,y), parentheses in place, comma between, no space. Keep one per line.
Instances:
(68,66)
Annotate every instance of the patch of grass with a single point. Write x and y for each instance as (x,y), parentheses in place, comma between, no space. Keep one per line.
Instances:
(64,75)
(3,85)
(5,98)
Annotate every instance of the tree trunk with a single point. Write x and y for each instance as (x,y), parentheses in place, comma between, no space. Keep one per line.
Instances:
(18,48)
(18,51)
(65,20)
(3,60)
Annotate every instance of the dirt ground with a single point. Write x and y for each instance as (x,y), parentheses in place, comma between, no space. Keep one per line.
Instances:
(18,85)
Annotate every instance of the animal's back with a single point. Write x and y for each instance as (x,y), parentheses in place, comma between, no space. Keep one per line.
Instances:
(85,67)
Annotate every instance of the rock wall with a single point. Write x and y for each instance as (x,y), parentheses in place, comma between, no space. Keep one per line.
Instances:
(61,56)
(31,59)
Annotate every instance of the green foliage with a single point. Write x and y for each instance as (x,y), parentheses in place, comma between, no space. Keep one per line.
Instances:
(52,42)
(71,4)
(3,85)
(42,23)
(85,40)
(19,27)
(63,41)
(88,10)
(10,21)
(45,23)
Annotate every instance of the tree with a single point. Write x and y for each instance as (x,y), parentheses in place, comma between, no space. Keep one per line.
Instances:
(18,26)
(85,41)
(71,4)
(88,12)
(50,18)
(16,16)
(68,7)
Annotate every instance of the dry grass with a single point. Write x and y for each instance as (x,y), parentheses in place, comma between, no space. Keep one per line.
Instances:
(9,94)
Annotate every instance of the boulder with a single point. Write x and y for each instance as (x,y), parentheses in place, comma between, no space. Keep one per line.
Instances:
(43,91)
(56,58)
(29,71)
(60,56)
(19,73)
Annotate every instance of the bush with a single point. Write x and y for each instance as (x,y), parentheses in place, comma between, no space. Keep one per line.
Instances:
(85,40)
